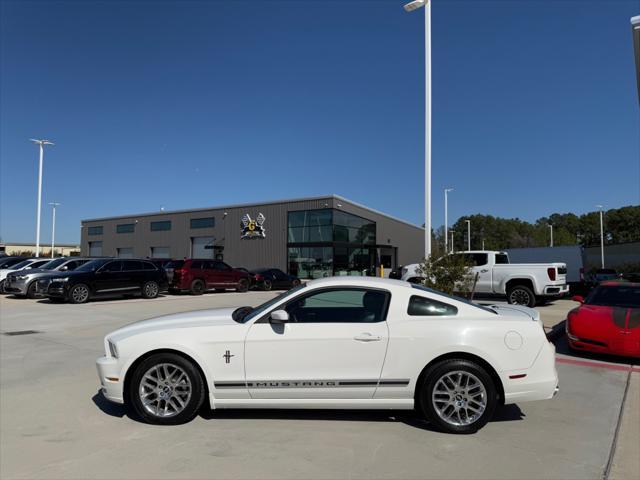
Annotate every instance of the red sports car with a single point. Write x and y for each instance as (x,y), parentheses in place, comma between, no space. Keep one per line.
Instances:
(608,321)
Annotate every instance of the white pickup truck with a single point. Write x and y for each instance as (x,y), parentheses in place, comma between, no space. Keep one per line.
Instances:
(522,283)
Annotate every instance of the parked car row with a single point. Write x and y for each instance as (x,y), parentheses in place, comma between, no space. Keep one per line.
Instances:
(78,279)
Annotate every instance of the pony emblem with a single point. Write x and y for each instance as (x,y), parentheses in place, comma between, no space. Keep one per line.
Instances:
(253,228)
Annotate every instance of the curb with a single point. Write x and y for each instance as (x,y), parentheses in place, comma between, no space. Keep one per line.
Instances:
(557,331)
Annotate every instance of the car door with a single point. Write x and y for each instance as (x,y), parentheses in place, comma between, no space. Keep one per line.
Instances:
(280,279)
(132,276)
(332,347)
(108,277)
(224,274)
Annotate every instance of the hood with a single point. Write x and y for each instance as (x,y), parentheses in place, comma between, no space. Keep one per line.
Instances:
(31,271)
(198,318)
(518,311)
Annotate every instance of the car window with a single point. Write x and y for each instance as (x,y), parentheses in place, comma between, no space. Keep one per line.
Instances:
(196,265)
(427,307)
(502,259)
(452,297)
(50,265)
(625,296)
(175,264)
(131,265)
(148,266)
(38,263)
(279,274)
(222,266)
(113,266)
(340,305)
(72,265)
(209,265)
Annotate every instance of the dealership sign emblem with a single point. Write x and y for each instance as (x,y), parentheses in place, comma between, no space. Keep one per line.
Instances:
(253,228)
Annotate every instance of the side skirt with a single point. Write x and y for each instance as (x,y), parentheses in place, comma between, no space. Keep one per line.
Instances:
(306,403)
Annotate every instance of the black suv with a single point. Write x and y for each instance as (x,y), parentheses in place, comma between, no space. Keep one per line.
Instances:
(105,277)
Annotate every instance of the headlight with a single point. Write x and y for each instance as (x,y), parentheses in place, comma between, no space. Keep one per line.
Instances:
(21,277)
(113,350)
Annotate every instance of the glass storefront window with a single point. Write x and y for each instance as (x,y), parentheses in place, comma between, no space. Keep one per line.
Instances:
(311,262)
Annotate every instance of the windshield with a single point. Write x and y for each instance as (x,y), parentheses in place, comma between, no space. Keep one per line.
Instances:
(245,314)
(92,266)
(175,264)
(627,296)
(452,297)
(53,264)
(21,265)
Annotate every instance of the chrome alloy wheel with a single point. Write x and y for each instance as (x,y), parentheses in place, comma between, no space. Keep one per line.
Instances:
(165,390)
(459,398)
(519,297)
(151,289)
(80,294)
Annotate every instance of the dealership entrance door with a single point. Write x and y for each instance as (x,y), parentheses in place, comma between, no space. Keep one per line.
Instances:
(199,247)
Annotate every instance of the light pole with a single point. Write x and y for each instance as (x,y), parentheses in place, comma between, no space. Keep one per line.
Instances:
(446,216)
(468,235)
(427,117)
(551,232)
(53,228)
(42,143)
(452,232)
(601,235)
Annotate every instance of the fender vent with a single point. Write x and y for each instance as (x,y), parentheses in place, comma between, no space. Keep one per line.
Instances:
(21,332)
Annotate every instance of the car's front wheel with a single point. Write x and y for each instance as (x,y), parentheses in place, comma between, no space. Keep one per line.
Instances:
(31,290)
(458,396)
(267,285)
(79,293)
(166,389)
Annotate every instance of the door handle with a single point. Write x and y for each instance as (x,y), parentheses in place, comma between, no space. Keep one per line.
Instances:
(367,337)
(484,270)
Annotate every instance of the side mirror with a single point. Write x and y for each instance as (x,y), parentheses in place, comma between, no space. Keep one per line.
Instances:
(578,298)
(279,316)
(64,269)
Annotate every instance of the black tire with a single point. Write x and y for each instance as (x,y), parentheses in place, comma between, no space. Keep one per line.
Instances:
(459,403)
(295,283)
(2,286)
(243,285)
(197,287)
(79,293)
(150,289)
(194,381)
(521,295)
(31,290)
(267,285)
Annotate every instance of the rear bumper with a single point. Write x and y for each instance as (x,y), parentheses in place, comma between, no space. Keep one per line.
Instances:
(540,381)
(555,290)
(110,382)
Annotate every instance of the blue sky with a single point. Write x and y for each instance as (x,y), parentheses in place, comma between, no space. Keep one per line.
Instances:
(203,103)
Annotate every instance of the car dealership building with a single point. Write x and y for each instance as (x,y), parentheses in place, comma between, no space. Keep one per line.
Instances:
(308,237)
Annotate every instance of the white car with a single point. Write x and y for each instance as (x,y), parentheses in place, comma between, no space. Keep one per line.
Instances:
(26,264)
(340,342)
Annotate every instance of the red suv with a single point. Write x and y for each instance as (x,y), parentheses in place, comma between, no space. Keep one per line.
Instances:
(197,276)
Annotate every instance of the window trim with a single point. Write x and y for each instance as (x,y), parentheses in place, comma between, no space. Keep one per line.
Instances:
(151,224)
(132,225)
(89,230)
(305,293)
(213,222)
(457,310)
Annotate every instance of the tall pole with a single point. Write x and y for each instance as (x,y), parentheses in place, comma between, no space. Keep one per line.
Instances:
(452,232)
(468,234)
(551,232)
(427,127)
(41,143)
(601,235)
(53,228)
(446,218)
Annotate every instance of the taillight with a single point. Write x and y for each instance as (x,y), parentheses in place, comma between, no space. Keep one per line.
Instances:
(552,273)
(257,276)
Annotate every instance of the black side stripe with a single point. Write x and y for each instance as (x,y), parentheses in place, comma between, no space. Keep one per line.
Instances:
(311,383)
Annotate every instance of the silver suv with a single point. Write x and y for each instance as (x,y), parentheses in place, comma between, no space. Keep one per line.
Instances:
(23,282)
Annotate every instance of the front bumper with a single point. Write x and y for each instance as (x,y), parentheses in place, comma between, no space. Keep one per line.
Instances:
(556,290)
(110,381)
(15,286)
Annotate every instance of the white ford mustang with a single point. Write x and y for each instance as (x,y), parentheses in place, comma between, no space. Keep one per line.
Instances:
(342,342)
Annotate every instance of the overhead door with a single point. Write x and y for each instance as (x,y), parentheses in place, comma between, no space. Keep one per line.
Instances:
(95,249)
(126,252)
(202,247)
(160,252)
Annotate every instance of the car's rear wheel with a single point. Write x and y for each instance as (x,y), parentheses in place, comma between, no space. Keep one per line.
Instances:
(150,289)
(197,287)
(295,283)
(31,290)
(458,396)
(243,285)
(166,389)
(267,285)
(79,293)
(521,295)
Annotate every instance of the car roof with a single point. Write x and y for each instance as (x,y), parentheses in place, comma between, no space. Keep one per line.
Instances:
(359,282)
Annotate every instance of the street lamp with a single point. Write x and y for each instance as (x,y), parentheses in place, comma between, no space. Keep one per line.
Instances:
(468,235)
(42,143)
(427,117)
(601,235)
(53,228)
(446,216)
(551,231)
(452,232)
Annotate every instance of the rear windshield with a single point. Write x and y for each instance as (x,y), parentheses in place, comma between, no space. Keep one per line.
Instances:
(175,264)
(627,296)
(452,297)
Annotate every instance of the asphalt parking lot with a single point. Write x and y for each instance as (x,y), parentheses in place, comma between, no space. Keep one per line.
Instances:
(55,424)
